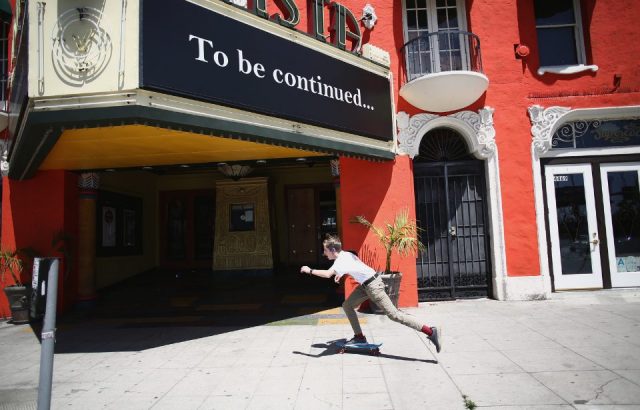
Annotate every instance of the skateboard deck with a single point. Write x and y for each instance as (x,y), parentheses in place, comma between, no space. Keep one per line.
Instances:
(371,348)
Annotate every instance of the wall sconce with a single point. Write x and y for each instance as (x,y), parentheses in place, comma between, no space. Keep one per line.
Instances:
(369,16)
(306,161)
(234,171)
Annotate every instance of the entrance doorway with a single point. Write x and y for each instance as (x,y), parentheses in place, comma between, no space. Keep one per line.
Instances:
(311,215)
(451,210)
(594,224)
(573,228)
(186,229)
(621,192)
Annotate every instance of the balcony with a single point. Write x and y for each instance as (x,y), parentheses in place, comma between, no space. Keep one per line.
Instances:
(443,71)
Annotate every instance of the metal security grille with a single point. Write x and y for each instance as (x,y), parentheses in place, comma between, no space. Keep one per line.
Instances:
(450,206)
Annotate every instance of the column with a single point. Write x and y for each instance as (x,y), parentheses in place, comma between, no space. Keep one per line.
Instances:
(88,184)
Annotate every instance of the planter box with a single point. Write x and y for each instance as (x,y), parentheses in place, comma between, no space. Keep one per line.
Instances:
(392,287)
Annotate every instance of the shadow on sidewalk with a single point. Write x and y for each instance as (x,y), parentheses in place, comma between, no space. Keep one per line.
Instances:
(331,347)
(159,308)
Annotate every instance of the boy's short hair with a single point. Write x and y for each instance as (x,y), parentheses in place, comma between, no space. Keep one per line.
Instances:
(333,243)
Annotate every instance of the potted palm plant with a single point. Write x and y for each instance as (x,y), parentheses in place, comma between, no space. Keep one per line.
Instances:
(22,303)
(401,236)
(17,293)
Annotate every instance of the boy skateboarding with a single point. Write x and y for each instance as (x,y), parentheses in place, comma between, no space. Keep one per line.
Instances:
(370,287)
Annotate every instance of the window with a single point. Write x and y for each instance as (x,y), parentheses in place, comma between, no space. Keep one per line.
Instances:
(597,134)
(434,53)
(559,29)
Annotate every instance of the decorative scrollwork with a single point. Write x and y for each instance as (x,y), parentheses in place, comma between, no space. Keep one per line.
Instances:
(412,129)
(542,122)
(408,131)
(571,131)
(486,133)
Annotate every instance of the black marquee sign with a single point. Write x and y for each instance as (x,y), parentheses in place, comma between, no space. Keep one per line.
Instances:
(191,51)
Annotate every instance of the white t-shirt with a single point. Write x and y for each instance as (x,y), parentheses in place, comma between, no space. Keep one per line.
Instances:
(348,263)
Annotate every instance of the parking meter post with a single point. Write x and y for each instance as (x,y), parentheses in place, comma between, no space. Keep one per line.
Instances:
(48,339)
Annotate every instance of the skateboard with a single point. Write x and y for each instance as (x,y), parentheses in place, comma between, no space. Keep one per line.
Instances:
(371,348)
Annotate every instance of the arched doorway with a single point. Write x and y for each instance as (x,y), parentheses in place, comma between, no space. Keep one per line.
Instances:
(451,208)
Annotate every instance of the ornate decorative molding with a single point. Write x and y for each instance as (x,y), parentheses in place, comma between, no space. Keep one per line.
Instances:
(4,162)
(236,250)
(409,128)
(542,122)
(81,46)
(89,181)
(477,128)
(486,133)
(334,166)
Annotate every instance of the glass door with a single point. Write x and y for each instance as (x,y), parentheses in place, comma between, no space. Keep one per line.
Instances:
(621,199)
(575,243)
(441,48)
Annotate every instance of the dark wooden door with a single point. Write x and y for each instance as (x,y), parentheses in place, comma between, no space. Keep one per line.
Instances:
(186,229)
(302,229)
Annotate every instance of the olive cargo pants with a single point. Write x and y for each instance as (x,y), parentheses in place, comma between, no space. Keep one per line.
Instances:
(376,293)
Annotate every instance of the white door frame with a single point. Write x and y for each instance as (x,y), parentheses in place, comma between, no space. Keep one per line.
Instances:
(618,279)
(562,281)
(545,121)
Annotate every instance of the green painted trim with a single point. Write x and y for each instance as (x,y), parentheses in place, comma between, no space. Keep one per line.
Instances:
(44,128)
(6,7)
(31,147)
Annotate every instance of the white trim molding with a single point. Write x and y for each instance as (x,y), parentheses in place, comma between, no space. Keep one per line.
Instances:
(544,123)
(477,129)
(567,69)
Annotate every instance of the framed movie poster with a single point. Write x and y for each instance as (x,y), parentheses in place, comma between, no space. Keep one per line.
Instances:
(108,226)
(118,225)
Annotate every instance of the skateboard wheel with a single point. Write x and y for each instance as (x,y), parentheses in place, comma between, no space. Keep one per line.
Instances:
(376,352)
(342,350)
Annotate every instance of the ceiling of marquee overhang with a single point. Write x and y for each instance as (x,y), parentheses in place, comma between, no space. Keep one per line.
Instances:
(141,145)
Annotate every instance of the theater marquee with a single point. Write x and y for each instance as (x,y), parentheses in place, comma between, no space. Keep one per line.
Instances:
(195,52)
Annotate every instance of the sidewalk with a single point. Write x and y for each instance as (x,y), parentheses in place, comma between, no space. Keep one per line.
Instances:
(578,350)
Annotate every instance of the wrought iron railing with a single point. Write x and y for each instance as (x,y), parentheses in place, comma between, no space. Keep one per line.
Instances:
(440,52)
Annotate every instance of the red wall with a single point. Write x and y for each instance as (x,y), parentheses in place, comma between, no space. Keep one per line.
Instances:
(32,212)
(515,85)
(377,191)
(610,28)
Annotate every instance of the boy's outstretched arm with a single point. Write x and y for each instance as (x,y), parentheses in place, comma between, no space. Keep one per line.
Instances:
(323,273)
